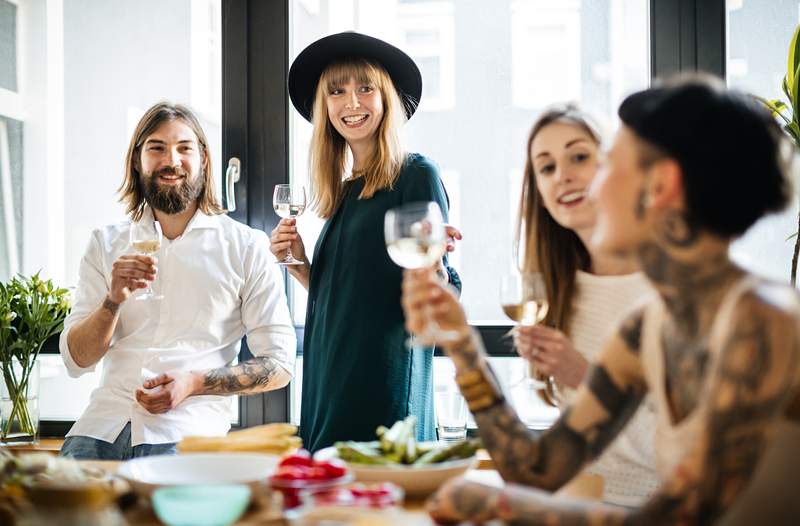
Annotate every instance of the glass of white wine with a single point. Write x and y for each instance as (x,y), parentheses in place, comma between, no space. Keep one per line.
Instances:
(524,300)
(289,201)
(146,241)
(416,238)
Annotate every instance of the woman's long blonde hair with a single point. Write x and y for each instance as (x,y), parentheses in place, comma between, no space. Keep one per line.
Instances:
(557,253)
(328,156)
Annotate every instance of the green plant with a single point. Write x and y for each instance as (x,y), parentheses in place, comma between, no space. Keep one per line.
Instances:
(789,118)
(31,310)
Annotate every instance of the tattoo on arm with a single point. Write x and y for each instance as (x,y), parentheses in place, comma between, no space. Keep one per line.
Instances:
(752,386)
(252,376)
(631,332)
(110,306)
(519,456)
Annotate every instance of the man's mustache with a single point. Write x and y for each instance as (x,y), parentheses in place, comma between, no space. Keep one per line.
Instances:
(171,171)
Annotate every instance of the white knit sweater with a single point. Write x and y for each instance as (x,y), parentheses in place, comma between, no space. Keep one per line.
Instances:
(628,464)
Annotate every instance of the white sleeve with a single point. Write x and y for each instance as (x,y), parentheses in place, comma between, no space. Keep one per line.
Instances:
(265,310)
(91,290)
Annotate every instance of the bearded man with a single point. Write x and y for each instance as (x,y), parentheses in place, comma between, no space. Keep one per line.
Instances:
(168,362)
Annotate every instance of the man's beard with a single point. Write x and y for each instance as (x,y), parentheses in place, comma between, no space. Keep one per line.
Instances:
(173,199)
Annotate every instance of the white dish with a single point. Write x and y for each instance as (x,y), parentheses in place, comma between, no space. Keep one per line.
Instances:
(148,473)
(416,481)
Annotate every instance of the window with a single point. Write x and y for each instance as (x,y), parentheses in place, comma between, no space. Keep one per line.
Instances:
(11,141)
(74,81)
(488,69)
(758,38)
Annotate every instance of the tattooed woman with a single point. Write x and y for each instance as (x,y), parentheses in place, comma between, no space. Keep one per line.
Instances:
(718,348)
(590,291)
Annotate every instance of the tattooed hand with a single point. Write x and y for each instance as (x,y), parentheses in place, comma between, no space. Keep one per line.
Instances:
(461,500)
(425,297)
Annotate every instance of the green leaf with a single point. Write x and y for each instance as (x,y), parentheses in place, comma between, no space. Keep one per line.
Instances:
(793,60)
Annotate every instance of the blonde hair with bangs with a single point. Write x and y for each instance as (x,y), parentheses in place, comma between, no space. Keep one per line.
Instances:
(328,156)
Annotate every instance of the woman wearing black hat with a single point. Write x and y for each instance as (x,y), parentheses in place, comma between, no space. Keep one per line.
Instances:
(693,166)
(357,373)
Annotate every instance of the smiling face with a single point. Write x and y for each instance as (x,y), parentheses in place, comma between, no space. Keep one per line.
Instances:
(171,167)
(565,159)
(355,109)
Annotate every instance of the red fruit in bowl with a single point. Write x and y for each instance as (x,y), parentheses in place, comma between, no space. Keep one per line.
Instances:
(299,458)
(333,468)
(318,473)
(292,472)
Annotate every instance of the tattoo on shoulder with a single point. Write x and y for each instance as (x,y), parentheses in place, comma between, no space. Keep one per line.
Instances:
(631,331)
(252,376)
(110,306)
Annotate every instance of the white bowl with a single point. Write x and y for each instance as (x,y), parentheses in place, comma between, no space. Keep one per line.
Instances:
(149,473)
(416,481)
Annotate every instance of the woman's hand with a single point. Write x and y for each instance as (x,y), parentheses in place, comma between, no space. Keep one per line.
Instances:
(285,236)
(425,297)
(460,500)
(453,235)
(551,352)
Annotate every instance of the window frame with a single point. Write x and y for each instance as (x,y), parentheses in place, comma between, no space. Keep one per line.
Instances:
(685,35)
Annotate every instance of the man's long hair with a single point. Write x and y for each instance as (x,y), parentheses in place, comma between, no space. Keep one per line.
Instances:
(132,190)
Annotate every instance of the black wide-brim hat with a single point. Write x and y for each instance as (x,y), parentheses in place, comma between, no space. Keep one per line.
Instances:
(307,68)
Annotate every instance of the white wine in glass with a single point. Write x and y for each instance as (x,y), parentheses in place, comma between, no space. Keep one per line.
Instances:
(416,238)
(145,238)
(289,201)
(523,298)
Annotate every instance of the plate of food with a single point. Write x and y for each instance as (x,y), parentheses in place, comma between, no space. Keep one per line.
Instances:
(418,467)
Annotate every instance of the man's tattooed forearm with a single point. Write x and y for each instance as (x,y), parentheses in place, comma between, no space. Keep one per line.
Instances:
(110,306)
(253,376)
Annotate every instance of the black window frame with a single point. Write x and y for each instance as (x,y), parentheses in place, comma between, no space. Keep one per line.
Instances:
(685,35)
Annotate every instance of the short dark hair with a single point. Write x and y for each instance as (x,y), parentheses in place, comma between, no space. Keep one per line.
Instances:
(729,148)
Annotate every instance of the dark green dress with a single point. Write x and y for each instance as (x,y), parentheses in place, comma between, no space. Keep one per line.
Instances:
(357,372)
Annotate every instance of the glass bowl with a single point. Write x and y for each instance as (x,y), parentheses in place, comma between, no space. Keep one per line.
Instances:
(201,505)
(291,489)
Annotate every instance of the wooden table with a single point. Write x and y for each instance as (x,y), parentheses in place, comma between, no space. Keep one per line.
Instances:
(412,514)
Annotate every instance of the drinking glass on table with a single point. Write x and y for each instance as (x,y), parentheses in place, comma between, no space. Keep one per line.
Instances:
(416,238)
(145,238)
(451,413)
(289,201)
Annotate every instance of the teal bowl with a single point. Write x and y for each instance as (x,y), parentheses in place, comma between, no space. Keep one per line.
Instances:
(201,505)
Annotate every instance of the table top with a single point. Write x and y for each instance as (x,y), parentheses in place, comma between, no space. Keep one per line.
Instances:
(412,512)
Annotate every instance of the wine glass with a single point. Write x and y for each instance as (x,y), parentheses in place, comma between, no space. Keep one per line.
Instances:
(289,201)
(524,300)
(145,238)
(416,238)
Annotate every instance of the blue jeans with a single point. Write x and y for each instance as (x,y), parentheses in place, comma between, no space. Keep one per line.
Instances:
(87,448)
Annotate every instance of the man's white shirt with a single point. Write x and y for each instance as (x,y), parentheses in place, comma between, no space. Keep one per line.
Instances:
(219,283)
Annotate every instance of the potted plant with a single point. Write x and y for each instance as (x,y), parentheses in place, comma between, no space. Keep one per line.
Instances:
(788,115)
(31,310)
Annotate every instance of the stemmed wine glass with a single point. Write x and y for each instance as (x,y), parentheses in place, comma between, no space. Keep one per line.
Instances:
(416,238)
(289,201)
(145,238)
(524,300)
